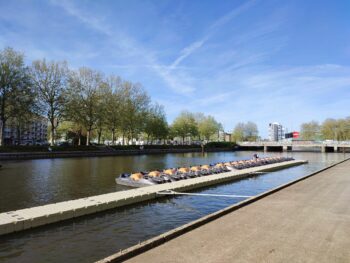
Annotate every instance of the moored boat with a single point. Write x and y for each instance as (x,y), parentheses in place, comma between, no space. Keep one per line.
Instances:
(169,175)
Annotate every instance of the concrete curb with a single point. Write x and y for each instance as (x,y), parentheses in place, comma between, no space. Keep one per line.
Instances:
(163,238)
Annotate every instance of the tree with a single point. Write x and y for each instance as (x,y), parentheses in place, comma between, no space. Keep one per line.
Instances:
(310,130)
(333,129)
(245,132)
(251,131)
(102,113)
(207,127)
(83,99)
(135,105)
(329,129)
(344,129)
(185,125)
(50,80)
(238,132)
(156,126)
(113,105)
(13,75)
(23,108)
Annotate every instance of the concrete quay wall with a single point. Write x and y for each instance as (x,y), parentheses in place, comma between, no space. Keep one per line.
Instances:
(74,154)
(19,220)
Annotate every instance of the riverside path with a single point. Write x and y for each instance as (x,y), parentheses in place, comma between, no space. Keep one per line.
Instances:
(306,222)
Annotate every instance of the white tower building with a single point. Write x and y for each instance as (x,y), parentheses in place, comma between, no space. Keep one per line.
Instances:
(276,132)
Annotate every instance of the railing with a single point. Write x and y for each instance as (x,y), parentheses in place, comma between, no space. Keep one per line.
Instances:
(297,143)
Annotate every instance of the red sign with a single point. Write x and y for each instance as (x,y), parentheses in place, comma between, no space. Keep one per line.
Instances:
(295,134)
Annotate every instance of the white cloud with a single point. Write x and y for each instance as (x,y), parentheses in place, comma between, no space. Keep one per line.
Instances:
(191,48)
(177,82)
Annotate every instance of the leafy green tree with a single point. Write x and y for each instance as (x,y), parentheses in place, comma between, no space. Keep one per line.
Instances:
(207,127)
(102,109)
(23,108)
(83,98)
(156,126)
(185,126)
(135,105)
(238,132)
(310,130)
(13,76)
(329,129)
(251,132)
(344,129)
(245,132)
(114,98)
(50,81)
(336,129)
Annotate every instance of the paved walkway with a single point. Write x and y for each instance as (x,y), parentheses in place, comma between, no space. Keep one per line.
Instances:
(306,222)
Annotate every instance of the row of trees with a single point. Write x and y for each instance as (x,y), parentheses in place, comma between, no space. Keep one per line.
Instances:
(84,103)
(245,132)
(330,129)
(195,125)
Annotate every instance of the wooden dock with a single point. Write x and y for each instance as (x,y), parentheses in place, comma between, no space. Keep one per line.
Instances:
(42,215)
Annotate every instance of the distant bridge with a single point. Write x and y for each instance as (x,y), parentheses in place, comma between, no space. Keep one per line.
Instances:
(301,145)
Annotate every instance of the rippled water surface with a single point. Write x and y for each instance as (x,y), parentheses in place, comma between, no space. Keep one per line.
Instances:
(36,182)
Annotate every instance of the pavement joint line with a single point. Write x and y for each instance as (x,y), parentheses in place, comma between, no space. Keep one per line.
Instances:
(170,192)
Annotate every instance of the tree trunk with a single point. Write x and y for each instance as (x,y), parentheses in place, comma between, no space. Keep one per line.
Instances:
(2,119)
(52,141)
(79,139)
(113,137)
(2,131)
(88,137)
(99,133)
(18,135)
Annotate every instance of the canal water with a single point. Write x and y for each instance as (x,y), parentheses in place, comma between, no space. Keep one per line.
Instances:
(90,238)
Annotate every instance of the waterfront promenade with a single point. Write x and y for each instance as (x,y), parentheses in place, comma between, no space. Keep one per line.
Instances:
(306,222)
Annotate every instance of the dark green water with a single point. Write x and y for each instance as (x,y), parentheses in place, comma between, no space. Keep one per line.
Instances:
(36,182)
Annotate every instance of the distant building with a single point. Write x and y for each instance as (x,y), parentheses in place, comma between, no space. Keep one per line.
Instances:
(276,132)
(224,136)
(228,137)
(292,135)
(33,133)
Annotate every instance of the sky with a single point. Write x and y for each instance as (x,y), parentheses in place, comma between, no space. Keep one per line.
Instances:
(262,61)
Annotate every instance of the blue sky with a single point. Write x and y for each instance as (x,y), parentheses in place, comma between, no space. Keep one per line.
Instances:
(263,61)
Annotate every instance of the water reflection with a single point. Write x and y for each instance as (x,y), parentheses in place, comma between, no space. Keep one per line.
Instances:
(37,182)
